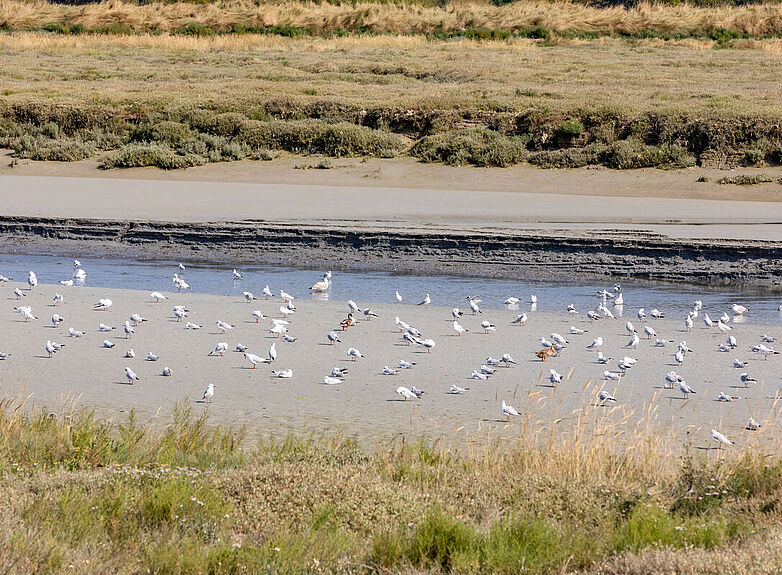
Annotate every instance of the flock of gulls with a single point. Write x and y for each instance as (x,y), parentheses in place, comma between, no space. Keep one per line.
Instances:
(640,331)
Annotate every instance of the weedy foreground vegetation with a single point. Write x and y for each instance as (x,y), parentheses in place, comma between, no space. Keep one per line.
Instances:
(83,496)
(553,84)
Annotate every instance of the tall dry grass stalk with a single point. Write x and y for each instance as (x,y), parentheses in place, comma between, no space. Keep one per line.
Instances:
(322,18)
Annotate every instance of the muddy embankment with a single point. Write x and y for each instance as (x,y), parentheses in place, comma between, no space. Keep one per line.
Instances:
(500,253)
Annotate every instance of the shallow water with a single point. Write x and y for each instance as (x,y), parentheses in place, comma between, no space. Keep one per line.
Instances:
(368,287)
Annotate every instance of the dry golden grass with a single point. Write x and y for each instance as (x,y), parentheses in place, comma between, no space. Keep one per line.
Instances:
(317,18)
(391,71)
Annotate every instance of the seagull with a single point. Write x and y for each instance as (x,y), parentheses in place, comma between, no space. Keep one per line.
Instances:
(136,319)
(767,338)
(708,321)
(688,322)
(401,325)
(488,327)
(236,274)
(619,301)
(724,397)
(554,377)
(354,354)
(576,331)
(737,309)
(406,393)
(151,356)
(426,301)
(508,410)
(286,311)
(634,341)
(641,314)
(130,354)
(53,347)
(328,380)
(278,329)
(369,314)
(697,305)
(333,337)
(80,275)
(678,357)
(725,318)
(267,293)
(222,326)
(209,393)
(322,285)
(597,343)
(353,307)
(283,373)
(650,333)
(286,296)
(289,339)
(738,363)
(240,348)
(455,390)
(558,338)
(338,371)
(611,375)
(606,312)
(66,283)
(405,364)
(605,396)
(179,313)
(521,319)
(180,284)
(753,425)
(388,371)
(32,279)
(685,389)
(181,267)
(720,439)
(672,377)
(131,376)
(157,296)
(191,325)
(766,351)
(731,341)
(56,320)
(473,303)
(630,327)
(723,327)
(167,372)
(74,333)
(458,328)
(601,359)
(102,327)
(409,338)
(103,304)
(248,296)
(258,315)
(398,297)
(722,347)
(108,344)
(272,352)
(418,392)
(27,314)
(511,301)
(488,370)
(255,359)
(58,299)
(4,355)
(220,348)
(129,331)
(456,313)
(746,379)
(571,308)
(427,343)
(593,315)
(507,359)
(661,342)
(533,299)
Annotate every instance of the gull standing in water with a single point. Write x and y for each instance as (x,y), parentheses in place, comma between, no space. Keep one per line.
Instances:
(322,285)
(236,274)
(398,297)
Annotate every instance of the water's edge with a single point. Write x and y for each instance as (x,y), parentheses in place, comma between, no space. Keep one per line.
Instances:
(512,254)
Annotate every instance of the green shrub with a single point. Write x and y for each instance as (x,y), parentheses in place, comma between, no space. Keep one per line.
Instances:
(474,146)
(571,128)
(567,158)
(226,124)
(345,140)
(627,154)
(56,150)
(441,542)
(140,155)
(168,132)
(746,180)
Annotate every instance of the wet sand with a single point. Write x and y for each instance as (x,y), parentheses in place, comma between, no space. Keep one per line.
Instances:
(365,405)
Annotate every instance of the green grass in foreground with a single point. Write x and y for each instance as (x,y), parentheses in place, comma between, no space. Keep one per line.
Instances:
(83,495)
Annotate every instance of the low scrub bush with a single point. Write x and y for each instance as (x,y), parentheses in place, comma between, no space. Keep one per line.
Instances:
(626,155)
(746,180)
(141,155)
(56,150)
(474,146)
(567,158)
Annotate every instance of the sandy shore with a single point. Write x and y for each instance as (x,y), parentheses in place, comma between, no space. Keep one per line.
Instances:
(365,405)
